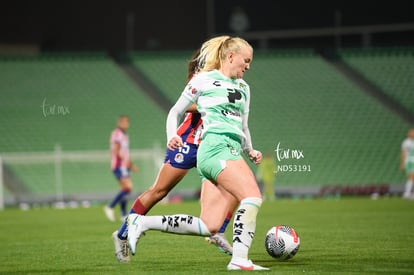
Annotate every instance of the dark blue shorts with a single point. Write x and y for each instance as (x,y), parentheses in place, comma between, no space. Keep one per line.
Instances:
(184,157)
(122,173)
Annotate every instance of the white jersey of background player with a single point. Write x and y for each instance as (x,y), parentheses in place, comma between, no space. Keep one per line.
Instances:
(407,162)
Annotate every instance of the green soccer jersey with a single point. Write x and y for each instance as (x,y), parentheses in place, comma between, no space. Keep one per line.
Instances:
(223,102)
(408,147)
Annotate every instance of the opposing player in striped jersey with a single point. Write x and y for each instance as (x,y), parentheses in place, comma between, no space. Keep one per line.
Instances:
(407,163)
(121,166)
(223,99)
(176,165)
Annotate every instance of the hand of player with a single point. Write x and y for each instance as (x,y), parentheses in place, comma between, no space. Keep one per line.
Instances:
(175,143)
(134,168)
(255,156)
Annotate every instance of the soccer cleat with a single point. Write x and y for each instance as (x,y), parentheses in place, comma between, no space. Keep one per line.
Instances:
(110,214)
(134,231)
(242,264)
(408,196)
(121,248)
(221,242)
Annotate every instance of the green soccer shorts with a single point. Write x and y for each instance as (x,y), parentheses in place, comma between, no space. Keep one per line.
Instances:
(409,167)
(214,151)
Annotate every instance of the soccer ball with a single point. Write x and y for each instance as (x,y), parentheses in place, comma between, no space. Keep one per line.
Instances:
(282,242)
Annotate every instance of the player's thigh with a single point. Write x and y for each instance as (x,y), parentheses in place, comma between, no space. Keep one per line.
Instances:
(168,177)
(237,179)
(215,204)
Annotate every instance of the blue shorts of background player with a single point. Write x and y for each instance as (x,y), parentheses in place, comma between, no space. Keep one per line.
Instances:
(122,172)
(184,157)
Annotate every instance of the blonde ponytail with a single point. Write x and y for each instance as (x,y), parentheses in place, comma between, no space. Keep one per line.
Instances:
(214,51)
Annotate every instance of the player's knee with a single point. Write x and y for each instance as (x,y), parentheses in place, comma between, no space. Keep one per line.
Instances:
(127,189)
(126,184)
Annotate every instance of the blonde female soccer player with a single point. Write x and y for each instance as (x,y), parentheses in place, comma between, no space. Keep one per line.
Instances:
(176,165)
(223,100)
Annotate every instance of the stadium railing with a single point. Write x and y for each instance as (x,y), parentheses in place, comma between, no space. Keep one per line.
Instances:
(70,175)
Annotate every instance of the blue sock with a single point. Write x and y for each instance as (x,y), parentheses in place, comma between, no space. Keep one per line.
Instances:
(123,230)
(118,198)
(123,204)
(224,226)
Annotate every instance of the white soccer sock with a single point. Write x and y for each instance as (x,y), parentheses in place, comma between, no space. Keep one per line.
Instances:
(180,224)
(244,226)
(408,188)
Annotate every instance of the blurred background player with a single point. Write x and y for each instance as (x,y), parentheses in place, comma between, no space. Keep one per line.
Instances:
(407,163)
(266,174)
(121,166)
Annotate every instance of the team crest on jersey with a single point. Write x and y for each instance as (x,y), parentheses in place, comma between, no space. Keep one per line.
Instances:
(233,151)
(179,158)
(241,85)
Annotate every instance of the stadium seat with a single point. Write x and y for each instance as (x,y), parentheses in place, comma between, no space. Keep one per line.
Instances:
(72,100)
(392,69)
(298,101)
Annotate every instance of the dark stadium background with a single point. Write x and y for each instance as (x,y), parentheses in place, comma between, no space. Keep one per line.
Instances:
(184,24)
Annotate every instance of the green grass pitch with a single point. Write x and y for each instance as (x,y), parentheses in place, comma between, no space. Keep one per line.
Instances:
(347,236)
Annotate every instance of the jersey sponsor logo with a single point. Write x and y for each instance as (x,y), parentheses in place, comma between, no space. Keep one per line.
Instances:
(230,113)
(233,95)
(217,83)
